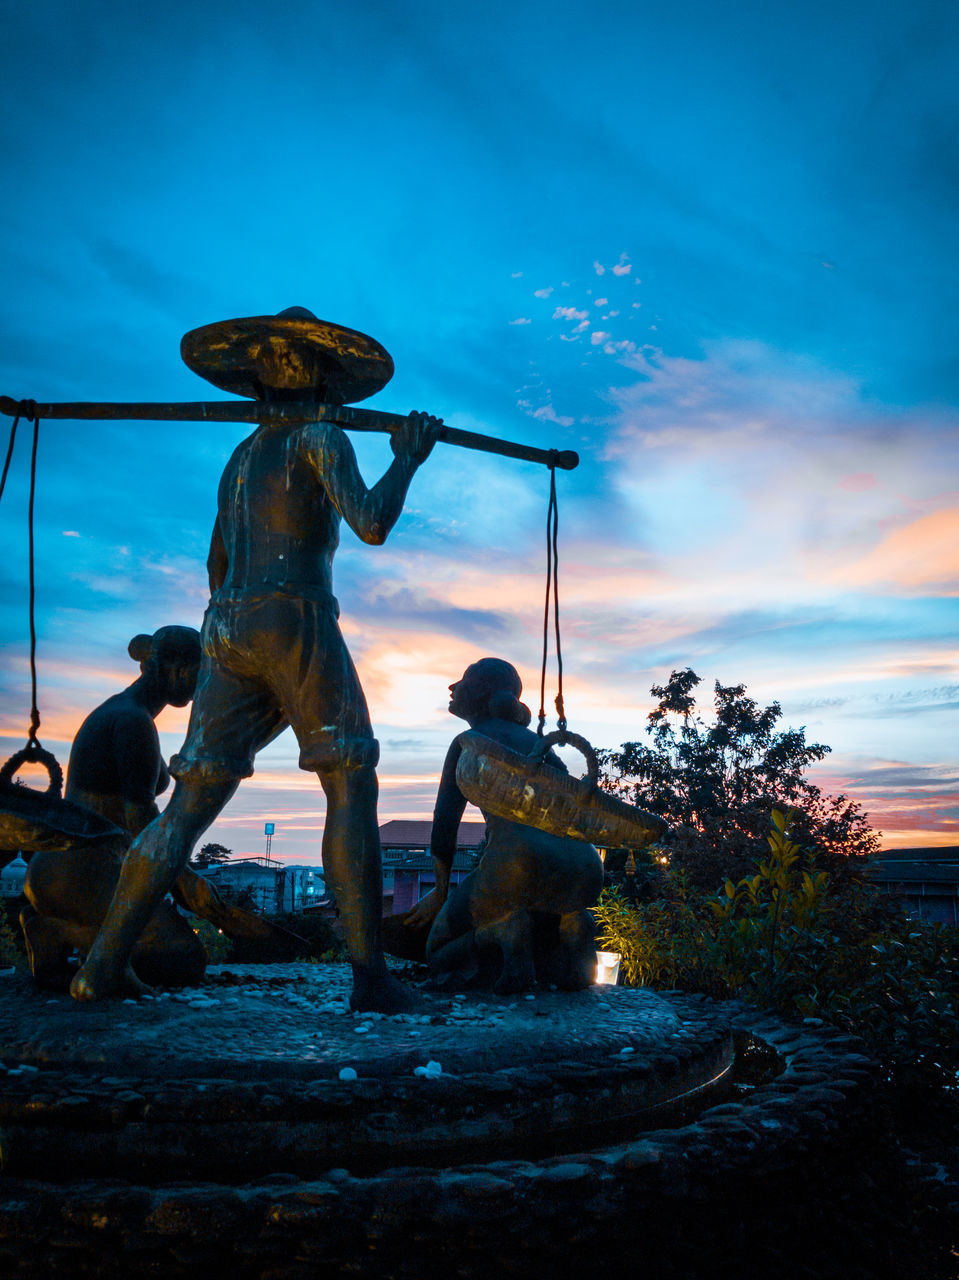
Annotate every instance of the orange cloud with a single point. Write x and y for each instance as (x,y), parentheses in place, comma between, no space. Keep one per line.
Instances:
(913,838)
(296,779)
(919,557)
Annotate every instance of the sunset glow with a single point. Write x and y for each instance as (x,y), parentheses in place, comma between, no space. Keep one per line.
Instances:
(716,257)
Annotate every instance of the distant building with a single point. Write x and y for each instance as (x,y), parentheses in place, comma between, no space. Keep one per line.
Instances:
(407,872)
(272,886)
(926,881)
(12,877)
(407,866)
(303,886)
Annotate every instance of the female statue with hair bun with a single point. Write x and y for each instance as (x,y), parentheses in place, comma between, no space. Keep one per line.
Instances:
(117,769)
(522,915)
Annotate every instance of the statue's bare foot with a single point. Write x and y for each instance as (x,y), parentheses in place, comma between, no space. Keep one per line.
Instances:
(96,983)
(379,993)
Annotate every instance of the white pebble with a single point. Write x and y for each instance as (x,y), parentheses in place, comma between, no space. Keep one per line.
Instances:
(347,1073)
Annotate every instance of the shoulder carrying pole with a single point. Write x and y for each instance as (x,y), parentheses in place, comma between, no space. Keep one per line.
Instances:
(260,411)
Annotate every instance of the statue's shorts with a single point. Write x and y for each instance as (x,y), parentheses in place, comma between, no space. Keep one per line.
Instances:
(270,661)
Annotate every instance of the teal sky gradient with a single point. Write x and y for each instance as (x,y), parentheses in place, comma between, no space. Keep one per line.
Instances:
(713,248)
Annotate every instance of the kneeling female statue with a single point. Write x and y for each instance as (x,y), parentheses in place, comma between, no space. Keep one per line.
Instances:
(117,770)
(522,915)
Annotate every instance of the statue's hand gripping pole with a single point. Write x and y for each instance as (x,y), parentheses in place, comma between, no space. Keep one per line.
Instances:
(301,411)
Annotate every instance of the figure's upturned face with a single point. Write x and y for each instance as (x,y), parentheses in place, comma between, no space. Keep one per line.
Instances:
(180,679)
(463,694)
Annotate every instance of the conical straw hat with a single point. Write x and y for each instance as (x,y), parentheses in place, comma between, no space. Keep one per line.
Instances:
(292,351)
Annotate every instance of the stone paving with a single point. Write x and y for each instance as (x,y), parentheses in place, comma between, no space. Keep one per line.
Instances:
(252,1021)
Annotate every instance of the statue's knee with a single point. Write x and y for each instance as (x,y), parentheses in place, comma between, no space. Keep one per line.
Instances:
(346,756)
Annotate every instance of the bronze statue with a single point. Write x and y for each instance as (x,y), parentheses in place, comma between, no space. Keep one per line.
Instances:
(116,770)
(523,911)
(116,767)
(273,654)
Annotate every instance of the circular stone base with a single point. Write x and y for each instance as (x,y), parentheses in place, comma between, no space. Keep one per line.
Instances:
(210,1131)
(264,1069)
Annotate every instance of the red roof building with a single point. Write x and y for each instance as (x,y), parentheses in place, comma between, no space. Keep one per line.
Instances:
(407,866)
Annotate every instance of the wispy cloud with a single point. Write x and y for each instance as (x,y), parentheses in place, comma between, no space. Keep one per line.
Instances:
(919,557)
(745,439)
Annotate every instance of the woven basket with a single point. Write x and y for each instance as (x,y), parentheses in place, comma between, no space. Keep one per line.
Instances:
(528,790)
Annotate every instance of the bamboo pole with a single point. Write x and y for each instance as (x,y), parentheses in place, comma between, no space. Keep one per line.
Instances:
(259,411)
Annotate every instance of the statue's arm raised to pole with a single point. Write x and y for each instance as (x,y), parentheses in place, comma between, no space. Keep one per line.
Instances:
(370,513)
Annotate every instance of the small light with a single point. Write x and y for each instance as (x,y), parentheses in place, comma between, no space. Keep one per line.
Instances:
(607,967)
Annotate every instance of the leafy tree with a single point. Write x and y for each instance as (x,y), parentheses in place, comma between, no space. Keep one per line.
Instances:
(717,782)
(210,855)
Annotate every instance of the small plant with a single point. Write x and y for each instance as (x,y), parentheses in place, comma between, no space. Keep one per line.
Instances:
(771,927)
(336,955)
(660,942)
(11,944)
(215,943)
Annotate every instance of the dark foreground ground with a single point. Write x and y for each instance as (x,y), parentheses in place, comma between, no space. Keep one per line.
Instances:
(256,1128)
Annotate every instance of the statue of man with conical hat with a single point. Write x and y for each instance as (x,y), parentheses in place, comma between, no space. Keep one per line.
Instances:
(273,654)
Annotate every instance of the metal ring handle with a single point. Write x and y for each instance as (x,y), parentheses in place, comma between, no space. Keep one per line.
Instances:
(33,753)
(562,738)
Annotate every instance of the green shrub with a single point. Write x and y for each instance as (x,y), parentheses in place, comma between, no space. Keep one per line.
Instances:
(217,945)
(660,941)
(789,938)
(11,944)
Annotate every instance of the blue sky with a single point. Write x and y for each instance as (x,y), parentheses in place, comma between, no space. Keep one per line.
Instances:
(712,248)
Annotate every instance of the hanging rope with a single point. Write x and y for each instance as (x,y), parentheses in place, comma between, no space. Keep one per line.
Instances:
(34,709)
(552,591)
(6,462)
(32,753)
(27,407)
